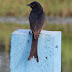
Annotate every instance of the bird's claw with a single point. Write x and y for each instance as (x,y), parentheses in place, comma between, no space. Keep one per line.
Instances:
(30,32)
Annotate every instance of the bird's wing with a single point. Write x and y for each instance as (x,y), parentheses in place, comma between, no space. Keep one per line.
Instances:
(36,23)
(32,20)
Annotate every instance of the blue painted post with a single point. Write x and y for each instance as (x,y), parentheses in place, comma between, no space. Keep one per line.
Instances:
(49,52)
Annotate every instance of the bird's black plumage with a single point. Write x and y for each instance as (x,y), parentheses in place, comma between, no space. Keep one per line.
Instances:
(36,19)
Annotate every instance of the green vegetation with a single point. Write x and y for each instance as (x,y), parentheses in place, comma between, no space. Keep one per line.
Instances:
(51,7)
(7,29)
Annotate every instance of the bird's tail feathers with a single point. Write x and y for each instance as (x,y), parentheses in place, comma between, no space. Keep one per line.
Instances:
(36,34)
(33,51)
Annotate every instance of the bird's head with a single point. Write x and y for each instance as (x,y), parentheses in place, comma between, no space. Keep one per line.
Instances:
(34,5)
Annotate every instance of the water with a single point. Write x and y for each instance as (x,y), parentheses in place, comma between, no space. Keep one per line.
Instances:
(59,20)
(25,20)
(4,62)
(17,20)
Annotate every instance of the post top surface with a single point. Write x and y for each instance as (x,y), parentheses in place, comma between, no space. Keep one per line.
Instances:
(43,32)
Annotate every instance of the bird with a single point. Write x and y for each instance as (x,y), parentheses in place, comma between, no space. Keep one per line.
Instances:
(36,20)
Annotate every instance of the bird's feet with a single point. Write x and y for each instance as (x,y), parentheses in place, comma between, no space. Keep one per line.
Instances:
(30,32)
(40,33)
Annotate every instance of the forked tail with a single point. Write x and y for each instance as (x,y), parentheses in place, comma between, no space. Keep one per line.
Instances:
(33,51)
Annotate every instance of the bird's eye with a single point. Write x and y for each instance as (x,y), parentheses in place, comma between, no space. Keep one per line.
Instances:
(33,5)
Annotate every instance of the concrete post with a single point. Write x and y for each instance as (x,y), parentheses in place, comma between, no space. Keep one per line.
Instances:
(49,52)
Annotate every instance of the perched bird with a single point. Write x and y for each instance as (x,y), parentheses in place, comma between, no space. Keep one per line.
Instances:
(36,19)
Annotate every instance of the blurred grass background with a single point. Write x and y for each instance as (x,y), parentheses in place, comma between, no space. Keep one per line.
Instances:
(62,8)
(51,7)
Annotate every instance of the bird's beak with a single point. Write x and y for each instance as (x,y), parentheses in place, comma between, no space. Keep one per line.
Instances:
(28,5)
